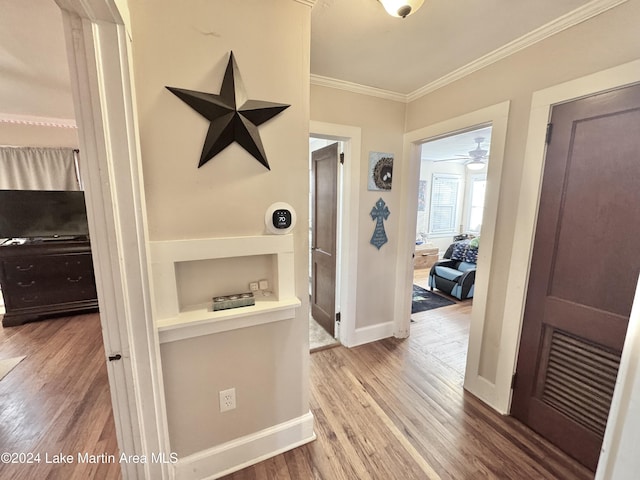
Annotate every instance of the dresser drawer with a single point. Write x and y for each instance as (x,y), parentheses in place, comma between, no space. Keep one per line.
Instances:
(21,269)
(46,279)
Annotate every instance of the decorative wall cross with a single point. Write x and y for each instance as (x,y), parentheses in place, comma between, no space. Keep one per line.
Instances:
(379,213)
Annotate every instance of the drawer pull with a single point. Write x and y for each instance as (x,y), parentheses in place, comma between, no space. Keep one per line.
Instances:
(30,299)
(74,280)
(26,285)
(20,268)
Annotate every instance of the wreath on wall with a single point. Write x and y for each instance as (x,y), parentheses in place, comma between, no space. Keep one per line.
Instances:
(383,173)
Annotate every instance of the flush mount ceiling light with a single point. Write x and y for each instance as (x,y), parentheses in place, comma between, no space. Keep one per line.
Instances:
(401,8)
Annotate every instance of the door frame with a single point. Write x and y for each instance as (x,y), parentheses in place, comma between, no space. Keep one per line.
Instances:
(528,202)
(531,182)
(101,84)
(336,238)
(497,116)
(347,223)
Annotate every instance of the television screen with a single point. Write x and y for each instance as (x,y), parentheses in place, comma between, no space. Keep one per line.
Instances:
(42,214)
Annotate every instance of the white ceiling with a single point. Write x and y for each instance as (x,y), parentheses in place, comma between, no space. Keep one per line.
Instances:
(351,40)
(34,74)
(449,147)
(357,41)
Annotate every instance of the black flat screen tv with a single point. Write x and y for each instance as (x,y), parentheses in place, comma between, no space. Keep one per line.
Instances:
(45,214)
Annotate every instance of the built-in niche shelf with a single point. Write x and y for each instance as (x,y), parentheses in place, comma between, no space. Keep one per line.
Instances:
(188,273)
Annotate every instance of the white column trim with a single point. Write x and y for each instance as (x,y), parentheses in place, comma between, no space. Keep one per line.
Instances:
(101,88)
(497,115)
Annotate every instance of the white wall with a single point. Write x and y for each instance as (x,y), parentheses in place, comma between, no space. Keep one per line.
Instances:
(381,123)
(611,38)
(187,46)
(23,135)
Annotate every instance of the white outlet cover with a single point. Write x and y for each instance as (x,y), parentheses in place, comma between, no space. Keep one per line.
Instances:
(227,399)
(264,285)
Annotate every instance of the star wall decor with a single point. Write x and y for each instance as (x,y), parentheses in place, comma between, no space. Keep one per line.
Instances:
(233,117)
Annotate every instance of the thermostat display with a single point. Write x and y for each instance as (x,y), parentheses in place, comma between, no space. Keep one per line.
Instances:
(280,218)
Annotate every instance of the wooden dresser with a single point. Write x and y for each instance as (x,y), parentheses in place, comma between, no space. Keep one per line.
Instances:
(425,256)
(41,279)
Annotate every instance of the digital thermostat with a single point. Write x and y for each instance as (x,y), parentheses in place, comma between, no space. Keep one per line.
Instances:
(280,218)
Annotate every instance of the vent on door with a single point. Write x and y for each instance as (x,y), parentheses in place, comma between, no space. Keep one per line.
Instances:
(580,380)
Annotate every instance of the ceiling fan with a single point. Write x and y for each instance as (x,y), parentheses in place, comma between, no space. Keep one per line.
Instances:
(477,158)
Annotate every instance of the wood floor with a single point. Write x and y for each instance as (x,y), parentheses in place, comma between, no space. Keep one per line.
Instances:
(394,409)
(56,401)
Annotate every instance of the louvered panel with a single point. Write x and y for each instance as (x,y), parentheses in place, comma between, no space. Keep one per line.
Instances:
(593,380)
(580,379)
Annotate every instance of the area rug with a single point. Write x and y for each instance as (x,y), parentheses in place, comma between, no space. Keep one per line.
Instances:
(7,364)
(423,300)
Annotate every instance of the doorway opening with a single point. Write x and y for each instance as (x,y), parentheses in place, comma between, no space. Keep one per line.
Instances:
(324,240)
(451,197)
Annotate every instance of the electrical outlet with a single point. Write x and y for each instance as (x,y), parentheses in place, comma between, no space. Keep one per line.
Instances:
(254,286)
(227,399)
(264,285)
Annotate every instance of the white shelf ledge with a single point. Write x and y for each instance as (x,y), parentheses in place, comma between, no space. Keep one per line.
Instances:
(199,320)
(165,255)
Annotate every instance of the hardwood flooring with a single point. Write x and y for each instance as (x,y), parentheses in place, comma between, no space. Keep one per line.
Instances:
(56,401)
(393,409)
(396,409)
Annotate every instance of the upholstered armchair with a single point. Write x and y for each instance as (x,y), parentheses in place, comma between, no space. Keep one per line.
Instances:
(456,273)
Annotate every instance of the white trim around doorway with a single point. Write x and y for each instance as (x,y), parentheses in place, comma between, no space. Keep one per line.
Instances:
(541,104)
(101,87)
(348,226)
(497,116)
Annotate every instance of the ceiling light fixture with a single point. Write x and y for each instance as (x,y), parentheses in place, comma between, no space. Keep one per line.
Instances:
(401,8)
(478,156)
(475,165)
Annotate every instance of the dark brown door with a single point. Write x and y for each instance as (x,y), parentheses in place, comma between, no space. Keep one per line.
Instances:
(324,195)
(584,270)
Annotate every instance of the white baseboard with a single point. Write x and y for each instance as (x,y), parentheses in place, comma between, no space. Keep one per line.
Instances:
(242,452)
(485,391)
(372,333)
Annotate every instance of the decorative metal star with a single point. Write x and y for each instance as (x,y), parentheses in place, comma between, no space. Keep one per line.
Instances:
(233,117)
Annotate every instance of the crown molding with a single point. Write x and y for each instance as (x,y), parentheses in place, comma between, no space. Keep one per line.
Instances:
(579,15)
(357,88)
(574,17)
(309,3)
(38,121)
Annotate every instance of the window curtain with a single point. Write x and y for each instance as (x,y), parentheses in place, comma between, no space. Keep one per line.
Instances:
(38,168)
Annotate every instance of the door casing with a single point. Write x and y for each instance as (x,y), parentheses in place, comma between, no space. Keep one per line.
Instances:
(497,116)
(541,104)
(101,88)
(348,210)
(572,301)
